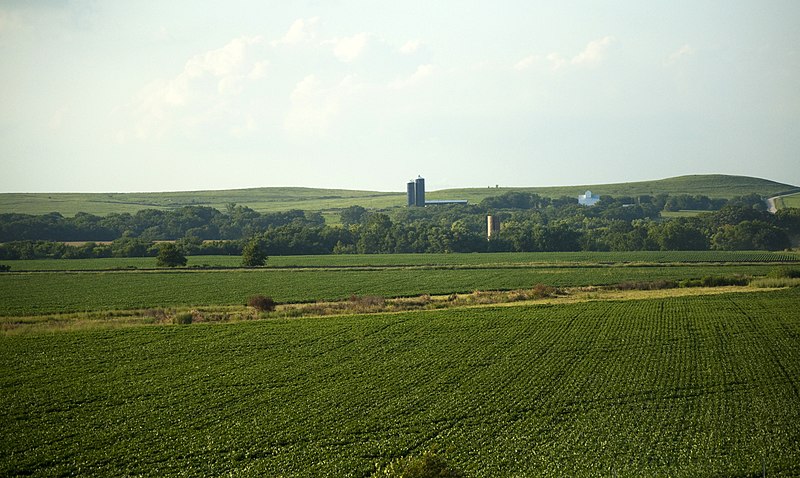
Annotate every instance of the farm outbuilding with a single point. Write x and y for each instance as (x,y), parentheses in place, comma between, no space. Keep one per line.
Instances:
(588,199)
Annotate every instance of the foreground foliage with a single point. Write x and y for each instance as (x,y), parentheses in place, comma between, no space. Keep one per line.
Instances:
(694,386)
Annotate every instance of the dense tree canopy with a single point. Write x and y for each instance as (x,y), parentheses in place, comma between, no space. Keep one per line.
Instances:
(528,223)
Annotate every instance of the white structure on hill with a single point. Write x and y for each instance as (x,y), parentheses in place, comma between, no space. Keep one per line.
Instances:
(588,199)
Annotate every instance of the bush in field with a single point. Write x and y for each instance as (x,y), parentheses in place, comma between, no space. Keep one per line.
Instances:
(541,291)
(428,465)
(367,302)
(182,318)
(261,303)
(4,268)
(169,255)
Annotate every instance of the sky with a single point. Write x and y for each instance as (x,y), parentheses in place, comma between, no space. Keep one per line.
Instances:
(122,96)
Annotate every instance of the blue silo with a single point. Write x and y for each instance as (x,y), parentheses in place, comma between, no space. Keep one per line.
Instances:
(420,192)
(412,195)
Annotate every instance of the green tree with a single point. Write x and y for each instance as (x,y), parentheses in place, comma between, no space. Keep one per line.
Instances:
(352,215)
(170,255)
(254,252)
(751,235)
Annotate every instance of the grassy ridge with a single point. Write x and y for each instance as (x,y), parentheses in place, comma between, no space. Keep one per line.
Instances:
(53,292)
(711,185)
(260,199)
(394,260)
(281,199)
(703,386)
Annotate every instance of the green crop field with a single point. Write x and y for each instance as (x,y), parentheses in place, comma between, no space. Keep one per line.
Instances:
(693,386)
(54,292)
(499,259)
(330,200)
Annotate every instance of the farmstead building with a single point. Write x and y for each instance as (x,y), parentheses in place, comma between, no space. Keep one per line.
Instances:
(588,199)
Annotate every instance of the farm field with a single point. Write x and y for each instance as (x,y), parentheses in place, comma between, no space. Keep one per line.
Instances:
(330,200)
(395,260)
(691,386)
(56,292)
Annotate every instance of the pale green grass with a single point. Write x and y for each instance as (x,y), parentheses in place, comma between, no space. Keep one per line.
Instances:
(684,213)
(775,282)
(788,201)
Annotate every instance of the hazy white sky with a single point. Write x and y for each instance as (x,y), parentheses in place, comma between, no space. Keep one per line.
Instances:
(180,95)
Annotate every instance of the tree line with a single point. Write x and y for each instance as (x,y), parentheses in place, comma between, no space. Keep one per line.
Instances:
(529,223)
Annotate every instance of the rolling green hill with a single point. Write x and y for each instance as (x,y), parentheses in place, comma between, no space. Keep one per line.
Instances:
(711,185)
(330,200)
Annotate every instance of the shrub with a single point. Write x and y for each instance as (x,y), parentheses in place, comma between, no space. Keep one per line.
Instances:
(5,267)
(262,303)
(428,465)
(182,318)
(541,291)
(367,302)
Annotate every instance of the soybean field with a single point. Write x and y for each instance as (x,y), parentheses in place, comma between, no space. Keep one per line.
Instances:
(57,292)
(690,386)
(499,259)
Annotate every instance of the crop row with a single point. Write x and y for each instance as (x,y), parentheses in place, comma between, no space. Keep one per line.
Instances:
(52,292)
(383,260)
(693,386)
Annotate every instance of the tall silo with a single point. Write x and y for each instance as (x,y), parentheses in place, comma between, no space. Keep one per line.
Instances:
(412,195)
(492,226)
(420,192)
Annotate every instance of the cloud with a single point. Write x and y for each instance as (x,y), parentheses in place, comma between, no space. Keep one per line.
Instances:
(201,91)
(556,61)
(8,21)
(678,55)
(422,73)
(222,62)
(410,47)
(57,118)
(314,106)
(594,52)
(303,30)
(229,88)
(592,55)
(350,48)
(526,63)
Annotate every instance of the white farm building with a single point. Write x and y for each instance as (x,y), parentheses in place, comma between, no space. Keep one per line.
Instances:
(588,199)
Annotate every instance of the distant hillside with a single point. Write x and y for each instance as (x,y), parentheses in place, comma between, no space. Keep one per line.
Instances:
(260,199)
(331,200)
(711,185)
